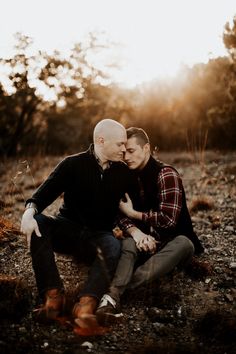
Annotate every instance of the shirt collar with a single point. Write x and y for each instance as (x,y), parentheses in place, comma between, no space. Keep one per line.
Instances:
(92,151)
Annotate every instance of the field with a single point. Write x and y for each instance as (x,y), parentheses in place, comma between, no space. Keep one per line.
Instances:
(187,312)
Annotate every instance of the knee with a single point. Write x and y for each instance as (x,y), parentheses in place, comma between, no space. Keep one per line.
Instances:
(129,246)
(113,249)
(44,225)
(116,248)
(186,245)
(42,221)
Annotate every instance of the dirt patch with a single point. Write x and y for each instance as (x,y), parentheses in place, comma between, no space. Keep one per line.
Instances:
(187,312)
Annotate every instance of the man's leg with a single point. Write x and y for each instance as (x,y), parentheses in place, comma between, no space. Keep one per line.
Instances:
(103,268)
(109,307)
(176,252)
(124,270)
(58,235)
(99,278)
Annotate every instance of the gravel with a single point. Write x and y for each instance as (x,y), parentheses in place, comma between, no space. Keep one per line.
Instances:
(185,312)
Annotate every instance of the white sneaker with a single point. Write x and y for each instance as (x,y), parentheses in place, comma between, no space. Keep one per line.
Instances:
(108,311)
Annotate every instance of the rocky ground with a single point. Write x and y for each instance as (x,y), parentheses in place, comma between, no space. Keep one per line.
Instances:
(193,312)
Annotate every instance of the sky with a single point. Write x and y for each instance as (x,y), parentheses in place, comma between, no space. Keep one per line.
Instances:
(156,37)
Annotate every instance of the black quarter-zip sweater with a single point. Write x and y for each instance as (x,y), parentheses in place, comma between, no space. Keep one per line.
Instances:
(91,195)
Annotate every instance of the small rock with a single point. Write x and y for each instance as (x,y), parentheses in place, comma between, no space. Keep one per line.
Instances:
(229,228)
(207,281)
(229,297)
(22,330)
(232,265)
(159,315)
(216,249)
(87,345)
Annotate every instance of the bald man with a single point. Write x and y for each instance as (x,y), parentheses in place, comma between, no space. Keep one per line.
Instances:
(92,184)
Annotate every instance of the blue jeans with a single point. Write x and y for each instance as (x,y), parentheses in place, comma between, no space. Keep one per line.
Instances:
(99,248)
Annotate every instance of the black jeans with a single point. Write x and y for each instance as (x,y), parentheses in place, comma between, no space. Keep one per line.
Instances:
(64,236)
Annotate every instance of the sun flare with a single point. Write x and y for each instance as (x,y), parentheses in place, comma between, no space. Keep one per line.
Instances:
(155,36)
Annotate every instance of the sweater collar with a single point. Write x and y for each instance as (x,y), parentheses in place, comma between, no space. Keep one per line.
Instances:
(147,168)
(92,152)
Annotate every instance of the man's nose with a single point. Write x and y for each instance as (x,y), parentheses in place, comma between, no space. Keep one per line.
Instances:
(123,148)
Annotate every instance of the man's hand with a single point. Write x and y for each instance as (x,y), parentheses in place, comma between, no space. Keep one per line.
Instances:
(143,241)
(29,225)
(148,244)
(127,207)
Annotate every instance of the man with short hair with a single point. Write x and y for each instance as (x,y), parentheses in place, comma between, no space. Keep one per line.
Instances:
(162,214)
(93,182)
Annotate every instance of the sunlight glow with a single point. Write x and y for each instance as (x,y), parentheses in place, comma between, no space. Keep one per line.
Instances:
(156,36)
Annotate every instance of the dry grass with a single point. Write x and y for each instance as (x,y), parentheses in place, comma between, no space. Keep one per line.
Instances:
(198,269)
(7,230)
(230,170)
(15,297)
(202,202)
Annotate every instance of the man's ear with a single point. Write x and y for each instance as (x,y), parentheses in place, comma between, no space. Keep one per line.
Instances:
(147,147)
(100,140)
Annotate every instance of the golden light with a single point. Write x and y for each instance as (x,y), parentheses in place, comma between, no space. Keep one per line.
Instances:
(155,36)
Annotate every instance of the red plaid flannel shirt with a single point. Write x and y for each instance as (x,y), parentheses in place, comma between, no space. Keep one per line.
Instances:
(170,202)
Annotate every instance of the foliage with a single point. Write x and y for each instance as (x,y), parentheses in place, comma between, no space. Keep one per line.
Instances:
(49,103)
(18,102)
(185,111)
(40,87)
(70,128)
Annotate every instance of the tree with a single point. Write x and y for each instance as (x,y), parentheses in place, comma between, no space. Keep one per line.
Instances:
(37,86)
(222,116)
(18,100)
(229,38)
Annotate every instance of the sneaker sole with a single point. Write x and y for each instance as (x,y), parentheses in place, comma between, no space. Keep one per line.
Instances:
(109,318)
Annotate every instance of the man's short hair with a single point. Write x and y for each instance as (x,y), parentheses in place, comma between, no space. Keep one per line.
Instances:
(140,135)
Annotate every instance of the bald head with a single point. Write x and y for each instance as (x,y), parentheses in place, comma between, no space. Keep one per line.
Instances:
(109,138)
(106,129)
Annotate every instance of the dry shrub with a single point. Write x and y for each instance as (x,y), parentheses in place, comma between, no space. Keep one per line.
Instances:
(34,185)
(198,269)
(5,204)
(183,160)
(230,170)
(219,325)
(202,202)
(8,231)
(12,189)
(20,199)
(164,347)
(211,181)
(2,204)
(15,297)
(215,220)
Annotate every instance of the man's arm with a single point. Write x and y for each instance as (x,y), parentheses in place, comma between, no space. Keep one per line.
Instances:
(52,187)
(44,196)
(143,241)
(170,202)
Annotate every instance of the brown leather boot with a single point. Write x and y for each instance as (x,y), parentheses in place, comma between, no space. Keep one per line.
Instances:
(53,306)
(83,312)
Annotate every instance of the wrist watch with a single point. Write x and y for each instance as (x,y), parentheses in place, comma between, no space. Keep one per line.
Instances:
(31,205)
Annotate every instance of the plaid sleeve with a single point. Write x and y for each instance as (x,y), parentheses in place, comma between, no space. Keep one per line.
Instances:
(170,200)
(124,222)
